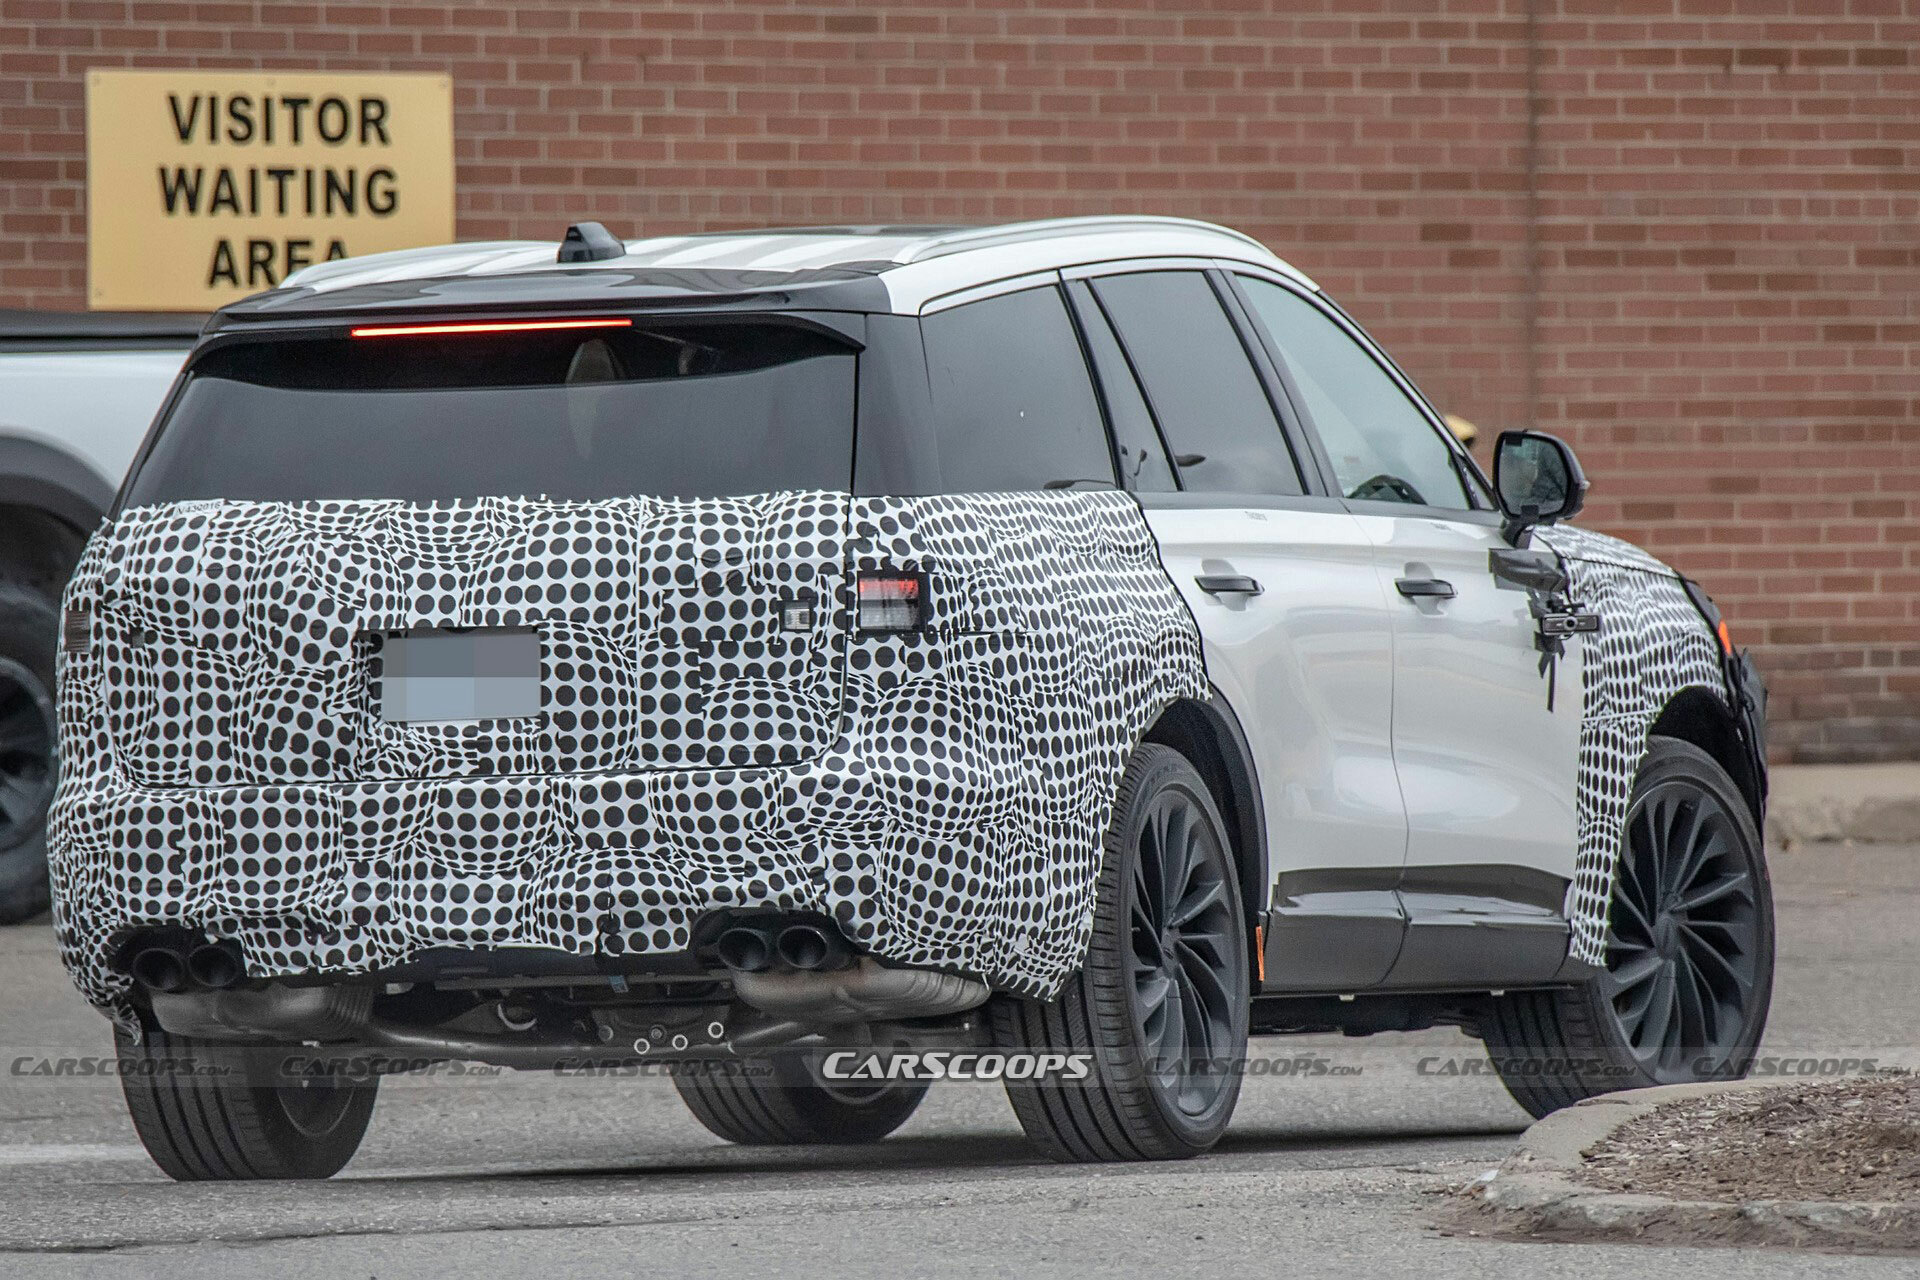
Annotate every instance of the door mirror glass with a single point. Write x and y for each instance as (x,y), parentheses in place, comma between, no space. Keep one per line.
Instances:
(1538,479)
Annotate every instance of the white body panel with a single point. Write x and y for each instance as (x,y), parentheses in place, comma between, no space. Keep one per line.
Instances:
(925,263)
(92,405)
(1307,666)
(1487,772)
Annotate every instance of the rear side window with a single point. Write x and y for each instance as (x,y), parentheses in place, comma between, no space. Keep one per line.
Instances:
(684,411)
(1013,405)
(1213,412)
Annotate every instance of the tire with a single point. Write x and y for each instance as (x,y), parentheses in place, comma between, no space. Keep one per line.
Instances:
(28,738)
(781,1101)
(209,1112)
(1162,1087)
(1712,937)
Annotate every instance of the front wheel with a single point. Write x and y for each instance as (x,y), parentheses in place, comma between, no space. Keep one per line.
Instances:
(207,1111)
(1689,964)
(1161,1004)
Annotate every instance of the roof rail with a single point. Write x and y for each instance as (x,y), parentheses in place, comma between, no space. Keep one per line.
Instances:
(1013,233)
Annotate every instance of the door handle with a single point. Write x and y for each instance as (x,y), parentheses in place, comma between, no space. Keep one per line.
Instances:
(1424,588)
(1227,584)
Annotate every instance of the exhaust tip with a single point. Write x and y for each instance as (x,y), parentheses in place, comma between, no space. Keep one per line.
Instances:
(809,947)
(216,965)
(159,969)
(744,949)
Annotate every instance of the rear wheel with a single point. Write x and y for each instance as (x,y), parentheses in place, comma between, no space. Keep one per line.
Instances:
(27,738)
(216,1112)
(1689,967)
(784,1100)
(1162,1001)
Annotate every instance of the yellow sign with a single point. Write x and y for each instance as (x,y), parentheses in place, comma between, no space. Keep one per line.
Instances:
(206,186)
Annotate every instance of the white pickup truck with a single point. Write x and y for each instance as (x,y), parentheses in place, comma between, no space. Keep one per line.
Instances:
(77,392)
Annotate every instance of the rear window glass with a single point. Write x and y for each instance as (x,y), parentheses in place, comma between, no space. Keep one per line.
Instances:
(691,411)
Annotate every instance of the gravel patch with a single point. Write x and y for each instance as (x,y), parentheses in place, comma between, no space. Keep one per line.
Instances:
(1848,1140)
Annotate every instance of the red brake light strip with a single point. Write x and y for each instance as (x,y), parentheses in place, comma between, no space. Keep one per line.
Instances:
(490,326)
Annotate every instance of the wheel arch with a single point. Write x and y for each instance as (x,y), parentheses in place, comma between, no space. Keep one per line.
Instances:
(1701,716)
(49,502)
(1209,735)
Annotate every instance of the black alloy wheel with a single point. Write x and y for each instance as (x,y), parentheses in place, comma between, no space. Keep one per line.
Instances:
(1189,955)
(1682,953)
(1158,1013)
(1688,974)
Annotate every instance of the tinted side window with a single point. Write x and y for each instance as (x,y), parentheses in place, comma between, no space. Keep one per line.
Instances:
(1013,405)
(1382,446)
(1143,459)
(1209,402)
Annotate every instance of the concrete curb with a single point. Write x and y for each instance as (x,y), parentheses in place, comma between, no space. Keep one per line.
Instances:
(1864,803)
(1536,1193)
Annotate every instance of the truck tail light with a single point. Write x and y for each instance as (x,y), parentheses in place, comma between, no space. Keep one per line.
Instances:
(890,600)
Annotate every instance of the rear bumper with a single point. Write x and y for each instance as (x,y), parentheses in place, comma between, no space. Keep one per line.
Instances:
(585,875)
(953,821)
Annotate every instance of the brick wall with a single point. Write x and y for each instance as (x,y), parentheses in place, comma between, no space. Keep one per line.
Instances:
(1720,306)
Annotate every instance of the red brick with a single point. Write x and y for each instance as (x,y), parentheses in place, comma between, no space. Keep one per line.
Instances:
(1723,206)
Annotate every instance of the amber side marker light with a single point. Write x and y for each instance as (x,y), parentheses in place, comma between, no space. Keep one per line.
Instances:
(1726,638)
(490,326)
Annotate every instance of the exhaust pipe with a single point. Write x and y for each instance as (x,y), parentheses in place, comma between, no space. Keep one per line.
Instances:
(216,965)
(863,992)
(745,949)
(159,969)
(808,947)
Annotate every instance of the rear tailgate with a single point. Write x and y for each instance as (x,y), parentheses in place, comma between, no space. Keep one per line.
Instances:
(246,639)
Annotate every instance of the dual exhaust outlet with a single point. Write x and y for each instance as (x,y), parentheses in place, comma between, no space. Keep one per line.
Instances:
(807,948)
(212,966)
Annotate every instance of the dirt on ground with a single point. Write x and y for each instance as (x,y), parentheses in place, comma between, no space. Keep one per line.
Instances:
(1845,1140)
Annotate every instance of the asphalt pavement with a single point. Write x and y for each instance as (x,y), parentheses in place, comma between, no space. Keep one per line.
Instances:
(1340,1162)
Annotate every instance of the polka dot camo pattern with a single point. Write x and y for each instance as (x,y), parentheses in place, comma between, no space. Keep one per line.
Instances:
(941,793)
(1652,644)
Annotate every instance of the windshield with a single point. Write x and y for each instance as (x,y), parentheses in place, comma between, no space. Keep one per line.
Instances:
(686,411)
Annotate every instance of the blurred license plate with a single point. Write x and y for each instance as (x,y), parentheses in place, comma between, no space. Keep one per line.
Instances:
(441,676)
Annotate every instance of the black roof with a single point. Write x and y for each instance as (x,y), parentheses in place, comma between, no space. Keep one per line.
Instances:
(849,287)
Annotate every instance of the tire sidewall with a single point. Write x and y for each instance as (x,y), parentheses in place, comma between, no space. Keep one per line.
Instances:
(1161,768)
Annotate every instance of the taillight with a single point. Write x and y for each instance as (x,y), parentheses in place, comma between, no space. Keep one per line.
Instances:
(891,601)
(487,326)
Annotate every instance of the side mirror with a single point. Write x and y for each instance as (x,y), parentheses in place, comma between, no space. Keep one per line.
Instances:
(1538,480)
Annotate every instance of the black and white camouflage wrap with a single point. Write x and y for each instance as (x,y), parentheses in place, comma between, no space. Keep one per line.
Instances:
(1652,644)
(941,794)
